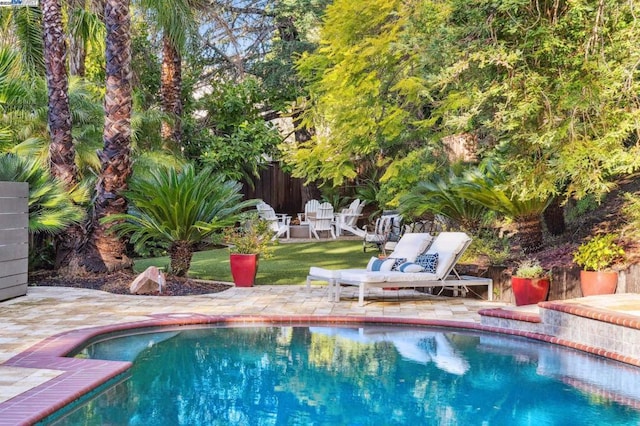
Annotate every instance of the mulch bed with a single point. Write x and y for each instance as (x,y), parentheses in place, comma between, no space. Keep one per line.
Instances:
(118,283)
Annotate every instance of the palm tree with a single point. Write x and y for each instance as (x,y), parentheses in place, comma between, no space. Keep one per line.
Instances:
(21,27)
(61,150)
(105,251)
(178,210)
(177,22)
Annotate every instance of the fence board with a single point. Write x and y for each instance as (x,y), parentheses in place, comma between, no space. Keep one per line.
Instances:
(14,235)
(14,221)
(13,205)
(14,189)
(278,189)
(14,251)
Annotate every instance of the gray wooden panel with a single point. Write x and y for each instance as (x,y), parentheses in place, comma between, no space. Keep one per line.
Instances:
(14,251)
(14,205)
(13,221)
(14,189)
(14,280)
(13,291)
(13,267)
(13,236)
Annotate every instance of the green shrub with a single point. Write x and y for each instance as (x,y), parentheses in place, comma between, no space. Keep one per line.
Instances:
(599,253)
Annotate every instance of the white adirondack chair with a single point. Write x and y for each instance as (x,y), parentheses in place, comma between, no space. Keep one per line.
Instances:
(347,219)
(310,209)
(322,221)
(279,222)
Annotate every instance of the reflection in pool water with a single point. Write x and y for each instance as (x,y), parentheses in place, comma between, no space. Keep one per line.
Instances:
(356,376)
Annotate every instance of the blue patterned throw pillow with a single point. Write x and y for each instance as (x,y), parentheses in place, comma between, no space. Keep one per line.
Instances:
(429,261)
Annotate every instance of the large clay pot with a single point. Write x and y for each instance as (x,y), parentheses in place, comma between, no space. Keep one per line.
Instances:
(529,291)
(598,282)
(243,269)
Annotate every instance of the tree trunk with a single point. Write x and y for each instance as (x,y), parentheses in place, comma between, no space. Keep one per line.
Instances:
(61,150)
(105,251)
(180,253)
(77,49)
(529,233)
(554,218)
(170,90)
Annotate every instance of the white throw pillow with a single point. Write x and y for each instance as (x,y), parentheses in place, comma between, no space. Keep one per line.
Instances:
(410,267)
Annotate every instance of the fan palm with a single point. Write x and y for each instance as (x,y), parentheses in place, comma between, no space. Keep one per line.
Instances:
(178,210)
(51,208)
(177,22)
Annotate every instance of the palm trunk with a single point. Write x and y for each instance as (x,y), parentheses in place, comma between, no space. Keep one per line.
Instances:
(61,150)
(106,252)
(180,253)
(170,89)
(554,218)
(529,233)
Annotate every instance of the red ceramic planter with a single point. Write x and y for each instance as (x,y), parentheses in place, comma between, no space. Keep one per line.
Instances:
(529,291)
(598,282)
(243,269)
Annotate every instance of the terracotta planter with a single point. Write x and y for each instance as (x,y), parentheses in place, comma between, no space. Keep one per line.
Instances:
(598,282)
(529,291)
(244,268)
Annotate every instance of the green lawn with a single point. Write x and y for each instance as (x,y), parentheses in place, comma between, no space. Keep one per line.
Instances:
(289,265)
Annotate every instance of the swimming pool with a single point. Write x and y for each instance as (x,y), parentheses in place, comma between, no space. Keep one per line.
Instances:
(369,375)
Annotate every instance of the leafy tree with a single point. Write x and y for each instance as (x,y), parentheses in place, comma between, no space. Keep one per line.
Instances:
(178,210)
(233,137)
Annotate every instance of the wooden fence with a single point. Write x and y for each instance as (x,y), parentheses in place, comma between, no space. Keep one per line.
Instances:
(14,236)
(565,282)
(280,190)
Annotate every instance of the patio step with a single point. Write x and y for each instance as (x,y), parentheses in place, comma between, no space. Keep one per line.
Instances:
(524,319)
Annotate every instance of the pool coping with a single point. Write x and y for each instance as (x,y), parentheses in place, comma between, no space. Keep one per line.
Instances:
(80,376)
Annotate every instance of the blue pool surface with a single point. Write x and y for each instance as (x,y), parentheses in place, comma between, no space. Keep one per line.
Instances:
(370,375)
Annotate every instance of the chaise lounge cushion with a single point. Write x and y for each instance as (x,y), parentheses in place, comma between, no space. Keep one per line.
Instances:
(411,245)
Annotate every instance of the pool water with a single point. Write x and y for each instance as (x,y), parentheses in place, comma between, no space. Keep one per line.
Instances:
(374,375)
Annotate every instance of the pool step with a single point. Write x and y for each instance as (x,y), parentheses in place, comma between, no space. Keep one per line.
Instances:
(577,323)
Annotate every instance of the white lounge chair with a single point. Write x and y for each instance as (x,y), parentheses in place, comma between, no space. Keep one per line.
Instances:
(448,245)
(279,223)
(409,247)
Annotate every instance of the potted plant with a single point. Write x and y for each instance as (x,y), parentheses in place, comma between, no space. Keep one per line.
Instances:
(246,244)
(596,257)
(530,283)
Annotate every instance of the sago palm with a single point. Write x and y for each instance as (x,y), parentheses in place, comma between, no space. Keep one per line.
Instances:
(178,210)
(440,196)
(490,187)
